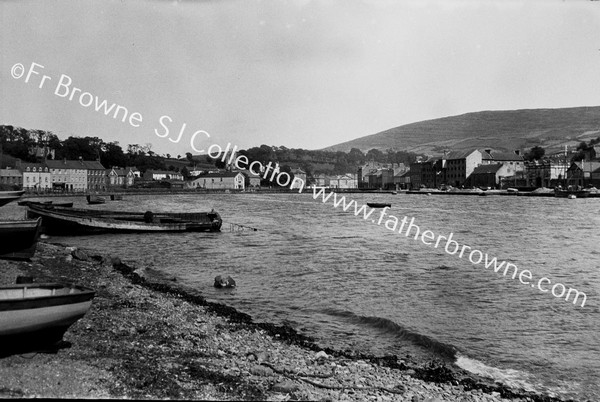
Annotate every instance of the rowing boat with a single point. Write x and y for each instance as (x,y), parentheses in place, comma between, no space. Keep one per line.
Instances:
(57,220)
(18,239)
(34,315)
(10,196)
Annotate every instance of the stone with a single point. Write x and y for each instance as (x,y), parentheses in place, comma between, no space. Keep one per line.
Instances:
(286,387)
(79,255)
(261,371)
(224,282)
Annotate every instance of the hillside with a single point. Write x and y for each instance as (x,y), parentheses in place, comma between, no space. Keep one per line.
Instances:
(508,130)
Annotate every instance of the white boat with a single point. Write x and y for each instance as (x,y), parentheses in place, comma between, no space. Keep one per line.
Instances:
(37,314)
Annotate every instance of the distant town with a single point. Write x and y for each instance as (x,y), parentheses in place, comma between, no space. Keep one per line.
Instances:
(38,162)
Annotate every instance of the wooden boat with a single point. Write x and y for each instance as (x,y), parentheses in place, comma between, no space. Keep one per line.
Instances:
(58,220)
(94,199)
(378,205)
(35,314)
(10,196)
(566,193)
(18,239)
(56,204)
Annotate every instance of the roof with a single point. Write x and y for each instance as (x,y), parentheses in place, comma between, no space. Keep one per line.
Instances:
(460,154)
(170,172)
(487,169)
(587,166)
(506,156)
(93,165)
(225,174)
(65,164)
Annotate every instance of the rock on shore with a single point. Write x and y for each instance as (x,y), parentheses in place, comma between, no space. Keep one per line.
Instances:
(136,342)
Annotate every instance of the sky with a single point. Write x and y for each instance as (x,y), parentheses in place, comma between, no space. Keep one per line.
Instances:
(299,73)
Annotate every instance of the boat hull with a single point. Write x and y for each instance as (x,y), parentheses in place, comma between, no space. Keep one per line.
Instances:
(570,193)
(378,205)
(81,221)
(33,315)
(18,239)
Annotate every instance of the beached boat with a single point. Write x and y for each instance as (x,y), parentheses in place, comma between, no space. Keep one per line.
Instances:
(10,196)
(378,205)
(33,315)
(94,199)
(55,204)
(18,239)
(58,220)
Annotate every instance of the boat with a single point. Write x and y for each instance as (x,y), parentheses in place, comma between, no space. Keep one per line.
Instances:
(10,196)
(94,199)
(60,220)
(18,239)
(116,197)
(56,204)
(38,314)
(378,205)
(571,193)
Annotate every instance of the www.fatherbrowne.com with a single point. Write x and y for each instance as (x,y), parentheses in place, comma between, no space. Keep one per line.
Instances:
(408,227)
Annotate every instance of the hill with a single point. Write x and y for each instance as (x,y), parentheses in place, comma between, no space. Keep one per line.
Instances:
(507,130)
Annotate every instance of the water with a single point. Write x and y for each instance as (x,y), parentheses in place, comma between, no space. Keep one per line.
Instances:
(353,284)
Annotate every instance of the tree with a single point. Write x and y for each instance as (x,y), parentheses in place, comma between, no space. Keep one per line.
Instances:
(535,153)
(113,155)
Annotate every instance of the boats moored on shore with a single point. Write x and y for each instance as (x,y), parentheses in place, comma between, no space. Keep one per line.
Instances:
(378,205)
(60,220)
(18,238)
(571,193)
(10,196)
(33,315)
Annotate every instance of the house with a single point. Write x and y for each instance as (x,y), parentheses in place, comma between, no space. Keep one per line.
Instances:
(226,180)
(458,165)
(11,177)
(545,173)
(343,181)
(370,168)
(68,175)
(117,177)
(320,180)
(402,180)
(136,172)
(415,174)
(162,175)
(36,176)
(301,175)
(580,173)
(96,175)
(515,163)
(432,173)
(489,175)
(252,179)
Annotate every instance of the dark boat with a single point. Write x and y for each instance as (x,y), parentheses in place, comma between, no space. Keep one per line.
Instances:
(34,315)
(26,203)
(18,239)
(94,199)
(10,196)
(57,220)
(570,193)
(378,205)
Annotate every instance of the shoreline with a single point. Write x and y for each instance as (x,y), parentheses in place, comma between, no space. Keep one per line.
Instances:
(148,337)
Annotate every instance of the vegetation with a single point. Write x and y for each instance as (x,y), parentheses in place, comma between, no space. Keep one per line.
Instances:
(584,148)
(36,145)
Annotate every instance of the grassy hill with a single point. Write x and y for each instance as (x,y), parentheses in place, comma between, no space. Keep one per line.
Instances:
(508,130)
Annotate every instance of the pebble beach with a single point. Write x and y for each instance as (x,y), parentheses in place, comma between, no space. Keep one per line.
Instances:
(147,337)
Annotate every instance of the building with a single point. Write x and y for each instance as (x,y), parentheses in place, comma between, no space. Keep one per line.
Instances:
(162,175)
(458,165)
(432,173)
(36,176)
(545,173)
(221,181)
(96,175)
(402,181)
(301,175)
(11,177)
(117,177)
(343,181)
(580,173)
(68,175)
(415,174)
(320,180)
(489,175)
(252,179)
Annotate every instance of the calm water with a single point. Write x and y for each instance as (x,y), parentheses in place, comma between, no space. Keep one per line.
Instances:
(353,284)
